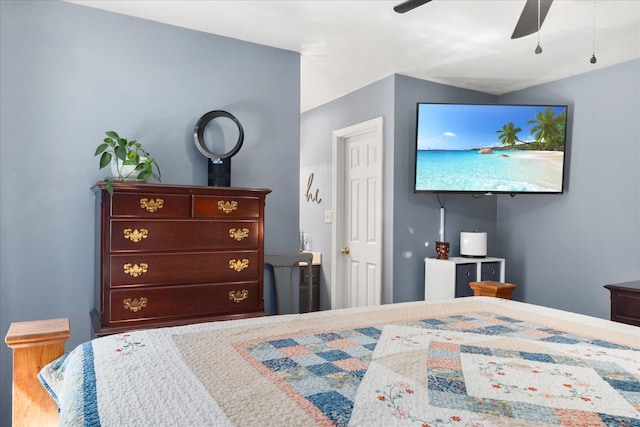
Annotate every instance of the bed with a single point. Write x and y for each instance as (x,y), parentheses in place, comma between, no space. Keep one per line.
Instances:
(474,361)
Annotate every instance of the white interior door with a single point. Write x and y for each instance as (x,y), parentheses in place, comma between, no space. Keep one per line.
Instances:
(357,226)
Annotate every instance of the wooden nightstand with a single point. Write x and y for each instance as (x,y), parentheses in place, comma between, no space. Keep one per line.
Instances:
(489,288)
(625,302)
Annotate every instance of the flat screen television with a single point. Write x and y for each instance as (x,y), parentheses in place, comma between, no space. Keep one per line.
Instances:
(490,148)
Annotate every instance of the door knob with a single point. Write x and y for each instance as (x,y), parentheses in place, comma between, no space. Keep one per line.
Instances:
(345,250)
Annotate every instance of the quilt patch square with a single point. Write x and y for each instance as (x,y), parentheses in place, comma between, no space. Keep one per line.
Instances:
(324,369)
(334,405)
(281,364)
(334,355)
(495,330)
(284,343)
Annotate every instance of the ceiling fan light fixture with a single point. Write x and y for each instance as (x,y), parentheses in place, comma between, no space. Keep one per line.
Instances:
(538,50)
(593,59)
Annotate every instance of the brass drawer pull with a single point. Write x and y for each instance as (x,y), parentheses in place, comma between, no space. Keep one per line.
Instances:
(136,235)
(238,234)
(227,207)
(238,265)
(135,305)
(151,205)
(135,270)
(237,296)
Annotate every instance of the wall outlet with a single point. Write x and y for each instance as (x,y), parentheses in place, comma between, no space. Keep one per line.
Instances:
(328,217)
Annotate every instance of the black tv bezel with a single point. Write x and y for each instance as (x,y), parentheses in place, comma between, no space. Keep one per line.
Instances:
(484,192)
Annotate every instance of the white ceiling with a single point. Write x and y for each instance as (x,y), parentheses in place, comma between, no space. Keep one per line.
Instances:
(345,45)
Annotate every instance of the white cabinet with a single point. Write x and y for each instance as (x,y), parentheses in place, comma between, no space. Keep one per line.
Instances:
(450,278)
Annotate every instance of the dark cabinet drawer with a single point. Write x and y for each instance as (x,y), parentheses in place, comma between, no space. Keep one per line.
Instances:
(304,288)
(304,275)
(231,206)
(625,302)
(184,267)
(151,205)
(164,235)
(490,271)
(465,274)
(627,308)
(184,301)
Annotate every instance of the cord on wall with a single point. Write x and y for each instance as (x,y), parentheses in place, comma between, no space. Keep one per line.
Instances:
(442,224)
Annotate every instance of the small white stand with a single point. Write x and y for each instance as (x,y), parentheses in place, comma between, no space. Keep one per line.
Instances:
(440,275)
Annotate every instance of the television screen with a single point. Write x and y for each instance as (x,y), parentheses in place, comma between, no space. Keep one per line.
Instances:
(482,148)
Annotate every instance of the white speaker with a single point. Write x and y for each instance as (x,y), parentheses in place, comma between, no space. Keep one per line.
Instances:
(473,243)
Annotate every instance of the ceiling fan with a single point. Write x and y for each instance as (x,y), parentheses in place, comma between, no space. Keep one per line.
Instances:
(527,24)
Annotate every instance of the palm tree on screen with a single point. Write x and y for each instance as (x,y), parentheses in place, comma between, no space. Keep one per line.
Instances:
(508,135)
(548,130)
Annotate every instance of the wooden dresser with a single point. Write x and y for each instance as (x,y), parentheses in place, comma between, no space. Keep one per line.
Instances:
(171,255)
(625,302)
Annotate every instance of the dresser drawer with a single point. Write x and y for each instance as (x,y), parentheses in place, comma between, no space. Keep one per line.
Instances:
(165,235)
(231,206)
(627,306)
(625,302)
(151,205)
(183,301)
(183,268)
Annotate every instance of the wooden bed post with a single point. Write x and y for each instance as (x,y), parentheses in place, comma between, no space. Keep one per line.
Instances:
(34,344)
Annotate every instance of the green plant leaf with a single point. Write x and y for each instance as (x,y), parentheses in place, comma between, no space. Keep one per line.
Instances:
(105,159)
(109,186)
(101,148)
(120,152)
(112,134)
(132,158)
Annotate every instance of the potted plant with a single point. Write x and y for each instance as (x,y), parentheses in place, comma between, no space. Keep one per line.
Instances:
(128,160)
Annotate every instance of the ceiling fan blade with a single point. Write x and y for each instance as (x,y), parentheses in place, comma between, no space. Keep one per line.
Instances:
(409,5)
(528,22)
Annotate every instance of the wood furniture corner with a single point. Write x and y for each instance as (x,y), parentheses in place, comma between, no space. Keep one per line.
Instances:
(489,288)
(625,302)
(34,344)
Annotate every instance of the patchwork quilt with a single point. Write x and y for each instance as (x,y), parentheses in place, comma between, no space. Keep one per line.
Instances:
(464,362)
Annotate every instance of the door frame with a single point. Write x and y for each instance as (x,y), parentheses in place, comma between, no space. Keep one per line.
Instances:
(338,272)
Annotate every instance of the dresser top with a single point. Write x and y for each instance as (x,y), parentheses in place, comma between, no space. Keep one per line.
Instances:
(633,285)
(138,187)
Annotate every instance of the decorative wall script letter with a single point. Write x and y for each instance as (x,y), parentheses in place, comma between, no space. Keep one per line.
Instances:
(312,197)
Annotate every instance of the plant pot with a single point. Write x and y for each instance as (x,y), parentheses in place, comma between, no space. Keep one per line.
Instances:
(126,172)
(442,250)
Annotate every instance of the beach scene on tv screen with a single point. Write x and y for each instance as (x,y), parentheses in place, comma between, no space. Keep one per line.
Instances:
(490,148)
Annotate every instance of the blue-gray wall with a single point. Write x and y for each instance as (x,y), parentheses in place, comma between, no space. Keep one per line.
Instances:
(561,250)
(69,73)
